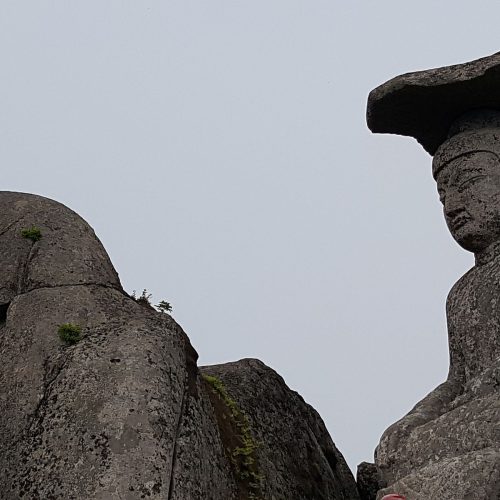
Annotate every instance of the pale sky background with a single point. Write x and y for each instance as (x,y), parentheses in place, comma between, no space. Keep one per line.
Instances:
(219,150)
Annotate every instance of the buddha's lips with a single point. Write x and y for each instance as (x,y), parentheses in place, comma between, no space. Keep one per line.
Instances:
(459,221)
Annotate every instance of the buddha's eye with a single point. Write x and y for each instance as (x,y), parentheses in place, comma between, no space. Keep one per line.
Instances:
(468,182)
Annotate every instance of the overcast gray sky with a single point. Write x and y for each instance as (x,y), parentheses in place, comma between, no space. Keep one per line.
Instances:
(220,151)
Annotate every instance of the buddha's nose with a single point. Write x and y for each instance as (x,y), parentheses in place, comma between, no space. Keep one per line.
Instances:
(453,205)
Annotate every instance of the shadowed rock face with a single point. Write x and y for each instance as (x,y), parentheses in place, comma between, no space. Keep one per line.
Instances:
(448,446)
(296,455)
(124,413)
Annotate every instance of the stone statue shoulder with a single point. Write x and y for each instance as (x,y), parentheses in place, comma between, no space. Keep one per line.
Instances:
(455,295)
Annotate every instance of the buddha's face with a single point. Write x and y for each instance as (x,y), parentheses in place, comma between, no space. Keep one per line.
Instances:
(469,188)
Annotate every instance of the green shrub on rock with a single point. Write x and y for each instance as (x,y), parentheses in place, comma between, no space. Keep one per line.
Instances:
(164,307)
(70,334)
(33,233)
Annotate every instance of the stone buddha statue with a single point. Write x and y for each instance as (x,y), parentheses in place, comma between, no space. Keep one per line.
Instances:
(448,445)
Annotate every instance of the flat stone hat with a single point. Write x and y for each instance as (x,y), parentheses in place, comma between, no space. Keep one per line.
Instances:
(424,104)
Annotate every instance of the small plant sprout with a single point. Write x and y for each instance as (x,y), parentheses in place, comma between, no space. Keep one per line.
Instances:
(33,233)
(70,334)
(144,299)
(164,307)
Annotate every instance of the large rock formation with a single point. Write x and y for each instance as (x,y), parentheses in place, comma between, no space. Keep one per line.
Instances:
(448,446)
(125,413)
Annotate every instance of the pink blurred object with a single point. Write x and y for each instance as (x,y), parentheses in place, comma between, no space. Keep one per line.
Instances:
(394,497)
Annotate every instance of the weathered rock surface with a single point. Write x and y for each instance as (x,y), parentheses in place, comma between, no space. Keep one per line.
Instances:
(448,446)
(125,413)
(368,480)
